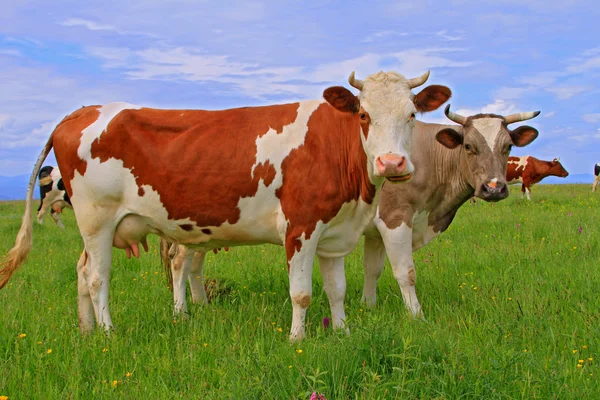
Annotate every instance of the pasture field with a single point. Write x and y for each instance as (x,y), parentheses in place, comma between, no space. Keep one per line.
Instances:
(510,294)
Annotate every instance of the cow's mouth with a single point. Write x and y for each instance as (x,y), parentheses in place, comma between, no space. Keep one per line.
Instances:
(401,178)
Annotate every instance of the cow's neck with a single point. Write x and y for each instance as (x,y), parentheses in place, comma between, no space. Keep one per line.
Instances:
(353,169)
(450,186)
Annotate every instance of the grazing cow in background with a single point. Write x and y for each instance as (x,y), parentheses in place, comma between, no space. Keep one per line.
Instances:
(305,175)
(471,160)
(53,195)
(596,176)
(528,171)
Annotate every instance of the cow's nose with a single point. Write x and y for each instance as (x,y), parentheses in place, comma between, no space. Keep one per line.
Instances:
(390,165)
(494,191)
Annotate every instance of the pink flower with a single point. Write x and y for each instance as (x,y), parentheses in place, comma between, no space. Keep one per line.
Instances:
(317,396)
(326,325)
(580,229)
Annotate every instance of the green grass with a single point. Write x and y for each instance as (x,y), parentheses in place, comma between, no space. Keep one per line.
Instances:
(510,293)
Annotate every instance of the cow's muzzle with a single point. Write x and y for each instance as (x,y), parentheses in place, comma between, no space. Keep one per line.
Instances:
(392,167)
(493,191)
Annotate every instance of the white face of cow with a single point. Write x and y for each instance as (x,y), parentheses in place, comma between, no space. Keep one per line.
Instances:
(388,102)
(387,108)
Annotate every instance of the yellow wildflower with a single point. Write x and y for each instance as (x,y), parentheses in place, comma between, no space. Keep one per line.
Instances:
(105,350)
(579,365)
(299,351)
(49,351)
(22,335)
(279,330)
(114,383)
(205,344)
(574,351)
(289,366)
(6,397)
(581,361)
(591,359)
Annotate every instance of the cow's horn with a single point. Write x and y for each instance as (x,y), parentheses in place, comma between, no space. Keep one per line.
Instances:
(357,83)
(418,81)
(459,119)
(518,117)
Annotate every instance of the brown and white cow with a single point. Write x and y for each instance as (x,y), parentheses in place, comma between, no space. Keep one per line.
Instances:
(305,175)
(471,160)
(53,195)
(596,176)
(528,171)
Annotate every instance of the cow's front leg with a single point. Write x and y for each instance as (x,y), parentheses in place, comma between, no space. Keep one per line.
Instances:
(373,263)
(398,245)
(301,254)
(42,210)
(180,269)
(334,283)
(596,180)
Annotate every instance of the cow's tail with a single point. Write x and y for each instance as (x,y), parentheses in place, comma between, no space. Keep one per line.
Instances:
(19,252)
(165,257)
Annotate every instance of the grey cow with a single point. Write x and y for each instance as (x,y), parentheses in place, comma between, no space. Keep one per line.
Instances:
(452,163)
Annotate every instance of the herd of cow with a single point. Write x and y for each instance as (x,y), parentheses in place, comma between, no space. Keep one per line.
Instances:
(313,176)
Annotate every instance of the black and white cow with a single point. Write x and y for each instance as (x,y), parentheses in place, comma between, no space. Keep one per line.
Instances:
(597,176)
(53,195)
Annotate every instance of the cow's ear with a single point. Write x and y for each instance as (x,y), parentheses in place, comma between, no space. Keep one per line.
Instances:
(449,138)
(431,98)
(342,99)
(523,135)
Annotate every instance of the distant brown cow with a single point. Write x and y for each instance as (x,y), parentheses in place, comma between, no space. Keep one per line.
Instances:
(528,171)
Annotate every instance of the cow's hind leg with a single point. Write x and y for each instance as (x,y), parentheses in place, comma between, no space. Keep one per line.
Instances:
(334,283)
(99,248)
(57,219)
(596,180)
(180,268)
(373,263)
(196,278)
(85,307)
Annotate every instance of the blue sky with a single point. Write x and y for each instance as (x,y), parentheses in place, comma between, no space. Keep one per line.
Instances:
(499,56)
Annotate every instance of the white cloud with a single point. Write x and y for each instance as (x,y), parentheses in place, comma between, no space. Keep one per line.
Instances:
(95,26)
(381,35)
(444,35)
(258,81)
(499,107)
(91,25)
(10,52)
(592,118)
(549,114)
(513,93)
(566,92)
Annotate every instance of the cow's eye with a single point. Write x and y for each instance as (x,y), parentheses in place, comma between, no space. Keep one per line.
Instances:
(412,117)
(509,148)
(468,147)
(363,116)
